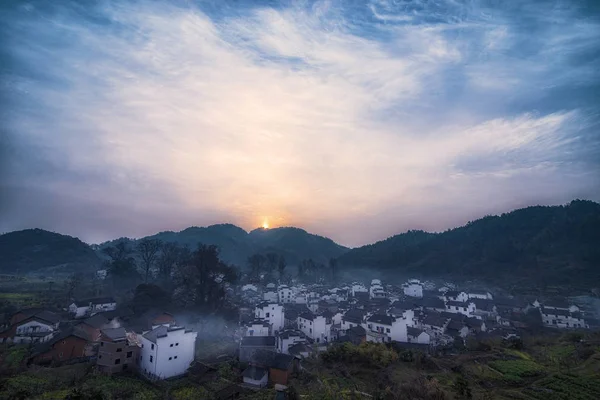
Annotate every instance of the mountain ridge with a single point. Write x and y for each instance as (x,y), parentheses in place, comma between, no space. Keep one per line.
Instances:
(550,244)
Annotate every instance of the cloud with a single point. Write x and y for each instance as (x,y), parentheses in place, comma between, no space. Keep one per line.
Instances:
(321,116)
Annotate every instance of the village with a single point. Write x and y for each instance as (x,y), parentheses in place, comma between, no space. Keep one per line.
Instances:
(280,325)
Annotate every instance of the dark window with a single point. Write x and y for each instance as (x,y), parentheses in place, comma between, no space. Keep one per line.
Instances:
(171,345)
(387,330)
(140,358)
(175,357)
(142,345)
(124,367)
(151,358)
(101,343)
(176,344)
(119,350)
(117,361)
(100,356)
(151,347)
(129,354)
(170,358)
(267,315)
(310,330)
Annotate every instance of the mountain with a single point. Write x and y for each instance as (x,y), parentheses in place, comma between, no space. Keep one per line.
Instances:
(543,245)
(36,249)
(236,245)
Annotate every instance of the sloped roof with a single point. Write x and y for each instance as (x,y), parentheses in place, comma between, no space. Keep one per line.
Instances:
(298,348)
(96,321)
(114,333)
(357,330)
(381,319)
(414,332)
(94,300)
(307,315)
(41,314)
(483,304)
(271,359)
(354,315)
(257,341)
(290,333)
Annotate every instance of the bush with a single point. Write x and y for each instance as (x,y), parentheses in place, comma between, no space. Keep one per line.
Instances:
(190,393)
(518,368)
(371,354)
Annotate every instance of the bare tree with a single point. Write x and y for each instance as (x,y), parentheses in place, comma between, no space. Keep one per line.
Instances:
(148,251)
(119,252)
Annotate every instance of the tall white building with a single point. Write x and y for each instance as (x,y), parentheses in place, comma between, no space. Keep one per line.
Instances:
(285,295)
(167,351)
(272,313)
(316,327)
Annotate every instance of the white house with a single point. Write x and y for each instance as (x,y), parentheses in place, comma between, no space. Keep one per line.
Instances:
(101,274)
(300,298)
(459,307)
(560,318)
(39,327)
(288,338)
(88,307)
(285,295)
(480,294)
(271,312)
(249,287)
(316,327)
(358,288)
(385,328)
(258,328)
(352,318)
(413,288)
(270,296)
(416,335)
(166,351)
(452,295)
(376,291)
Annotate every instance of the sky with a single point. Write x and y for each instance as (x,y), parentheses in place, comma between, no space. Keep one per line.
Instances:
(352,119)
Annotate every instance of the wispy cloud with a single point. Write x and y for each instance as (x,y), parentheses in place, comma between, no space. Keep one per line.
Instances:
(321,115)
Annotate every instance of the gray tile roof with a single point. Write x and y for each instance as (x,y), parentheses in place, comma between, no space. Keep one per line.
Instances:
(258,341)
(255,373)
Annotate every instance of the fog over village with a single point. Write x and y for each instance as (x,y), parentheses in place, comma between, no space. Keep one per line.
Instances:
(299,199)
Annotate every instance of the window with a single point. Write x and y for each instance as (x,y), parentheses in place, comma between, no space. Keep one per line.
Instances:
(387,330)
(175,357)
(370,326)
(129,354)
(310,330)
(100,356)
(142,345)
(176,344)
(152,347)
(151,358)
(117,361)
(140,358)
(119,350)
(171,345)
(170,358)
(101,344)
(267,315)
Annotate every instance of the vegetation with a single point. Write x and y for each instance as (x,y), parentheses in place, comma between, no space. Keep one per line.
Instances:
(546,245)
(35,249)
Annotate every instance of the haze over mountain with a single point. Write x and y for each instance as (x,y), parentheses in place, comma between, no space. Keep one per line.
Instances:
(537,245)
(551,245)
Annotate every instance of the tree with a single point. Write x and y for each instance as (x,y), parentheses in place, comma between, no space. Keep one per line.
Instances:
(147,296)
(122,267)
(148,251)
(461,388)
(72,284)
(119,252)
(281,266)
(202,280)
(256,262)
(171,256)
(271,263)
(333,269)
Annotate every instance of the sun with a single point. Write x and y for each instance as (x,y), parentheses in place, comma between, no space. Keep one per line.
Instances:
(265,225)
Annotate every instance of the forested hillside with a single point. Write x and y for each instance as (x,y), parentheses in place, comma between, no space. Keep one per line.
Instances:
(545,245)
(35,249)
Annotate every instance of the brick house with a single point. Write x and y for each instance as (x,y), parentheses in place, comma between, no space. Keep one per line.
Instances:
(68,345)
(116,352)
(280,366)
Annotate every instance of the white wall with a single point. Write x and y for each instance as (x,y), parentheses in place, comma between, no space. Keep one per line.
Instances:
(164,364)
(284,344)
(257,330)
(285,295)
(260,383)
(274,314)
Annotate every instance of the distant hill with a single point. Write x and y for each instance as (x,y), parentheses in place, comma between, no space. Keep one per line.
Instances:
(36,249)
(236,245)
(542,245)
